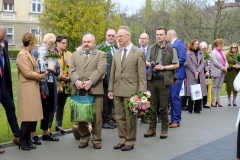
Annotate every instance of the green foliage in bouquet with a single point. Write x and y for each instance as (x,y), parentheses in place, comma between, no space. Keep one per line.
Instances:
(53,54)
(206,55)
(237,57)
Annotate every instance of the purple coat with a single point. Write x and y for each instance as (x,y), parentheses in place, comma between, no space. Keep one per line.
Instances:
(193,66)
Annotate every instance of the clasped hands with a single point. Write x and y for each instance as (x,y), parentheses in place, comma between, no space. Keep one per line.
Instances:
(83,85)
(157,67)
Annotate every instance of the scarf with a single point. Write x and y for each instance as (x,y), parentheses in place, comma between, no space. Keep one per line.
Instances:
(222,56)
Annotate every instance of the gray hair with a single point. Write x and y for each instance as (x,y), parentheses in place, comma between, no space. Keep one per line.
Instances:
(50,36)
(203,45)
(3,30)
(88,33)
(172,32)
(126,28)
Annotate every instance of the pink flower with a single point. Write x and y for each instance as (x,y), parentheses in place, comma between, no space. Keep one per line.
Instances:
(144,107)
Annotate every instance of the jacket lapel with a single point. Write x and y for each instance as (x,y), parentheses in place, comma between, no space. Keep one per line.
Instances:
(193,57)
(81,57)
(129,56)
(89,58)
(30,56)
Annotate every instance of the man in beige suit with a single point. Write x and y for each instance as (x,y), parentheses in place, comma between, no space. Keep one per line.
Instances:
(87,68)
(128,76)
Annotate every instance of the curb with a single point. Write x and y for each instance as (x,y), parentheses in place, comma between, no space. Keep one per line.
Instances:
(55,134)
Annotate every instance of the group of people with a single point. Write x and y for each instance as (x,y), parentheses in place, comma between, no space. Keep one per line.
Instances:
(111,78)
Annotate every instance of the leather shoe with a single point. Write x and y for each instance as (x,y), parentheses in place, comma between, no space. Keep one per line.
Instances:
(2,151)
(118,146)
(83,145)
(174,125)
(36,141)
(170,122)
(112,124)
(107,126)
(127,148)
(49,138)
(15,140)
(97,146)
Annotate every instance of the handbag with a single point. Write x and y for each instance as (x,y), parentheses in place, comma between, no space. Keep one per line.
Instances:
(196,92)
(236,82)
(83,108)
(208,81)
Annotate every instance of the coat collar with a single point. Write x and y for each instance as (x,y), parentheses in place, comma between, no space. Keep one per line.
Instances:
(192,55)
(30,56)
(130,55)
(91,56)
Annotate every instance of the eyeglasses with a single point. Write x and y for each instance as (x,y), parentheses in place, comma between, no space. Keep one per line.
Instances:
(111,35)
(234,47)
(65,43)
(47,44)
(120,36)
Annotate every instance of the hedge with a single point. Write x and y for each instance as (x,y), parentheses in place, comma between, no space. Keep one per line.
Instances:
(13,53)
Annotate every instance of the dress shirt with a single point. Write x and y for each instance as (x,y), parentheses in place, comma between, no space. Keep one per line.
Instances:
(128,50)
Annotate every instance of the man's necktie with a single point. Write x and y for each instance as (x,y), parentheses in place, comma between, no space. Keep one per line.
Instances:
(124,56)
(86,57)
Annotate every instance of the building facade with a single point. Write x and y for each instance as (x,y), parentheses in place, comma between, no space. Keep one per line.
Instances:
(19,17)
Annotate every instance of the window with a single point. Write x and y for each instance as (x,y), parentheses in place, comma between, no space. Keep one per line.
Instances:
(36,32)
(37,6)
(8,5)
(10,35)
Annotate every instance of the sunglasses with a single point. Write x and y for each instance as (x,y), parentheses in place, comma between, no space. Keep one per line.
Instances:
(234,47)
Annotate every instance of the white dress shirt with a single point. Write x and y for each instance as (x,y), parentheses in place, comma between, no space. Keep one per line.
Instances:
(128,50)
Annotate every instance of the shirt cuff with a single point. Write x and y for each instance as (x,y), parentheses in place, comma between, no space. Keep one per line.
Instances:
(76,82)
(90,81)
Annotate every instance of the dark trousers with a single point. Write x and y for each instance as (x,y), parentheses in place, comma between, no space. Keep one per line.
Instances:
(9,107)
(184,100)
(159,93)
(61,101)
(107,106)
(204,100)
(33,126)
(238,143)
(47,106)
(197,105)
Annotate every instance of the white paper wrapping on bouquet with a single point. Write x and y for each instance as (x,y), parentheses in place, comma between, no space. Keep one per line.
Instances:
(52,62)
(41,61)
(182,91)
(236,82)
(196,92)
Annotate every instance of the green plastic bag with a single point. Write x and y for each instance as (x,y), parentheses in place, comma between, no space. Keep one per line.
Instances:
(83,108)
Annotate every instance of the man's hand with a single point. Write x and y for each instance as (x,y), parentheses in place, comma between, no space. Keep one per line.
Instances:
(65,78)
(159,67)
(87,85)
(79,85)
(148,64)
(110,95)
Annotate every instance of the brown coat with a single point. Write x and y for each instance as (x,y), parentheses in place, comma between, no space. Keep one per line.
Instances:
(193,66)
(29,100)
(131,78)
(93,70)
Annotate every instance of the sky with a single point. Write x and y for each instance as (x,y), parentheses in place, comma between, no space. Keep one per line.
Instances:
(132,5)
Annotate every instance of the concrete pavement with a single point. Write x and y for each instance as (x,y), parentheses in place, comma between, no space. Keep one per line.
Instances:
(210,135)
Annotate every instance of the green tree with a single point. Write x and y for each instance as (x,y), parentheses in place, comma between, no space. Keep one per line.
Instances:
(74,17)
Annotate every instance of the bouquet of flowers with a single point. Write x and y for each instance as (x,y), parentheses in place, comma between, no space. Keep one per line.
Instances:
(53,54)
(65,87)
(140,106)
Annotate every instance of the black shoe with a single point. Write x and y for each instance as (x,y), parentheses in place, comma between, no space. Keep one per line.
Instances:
(190,112)
(36,141)
(30,144)
(197,112)
(185,108)
(62,131)
(206,106)
(49,138)
(219,105)
(107,126)
(112,124)
(23,145)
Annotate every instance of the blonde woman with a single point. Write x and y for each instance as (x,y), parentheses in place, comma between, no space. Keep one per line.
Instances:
(232,72)
(219,67)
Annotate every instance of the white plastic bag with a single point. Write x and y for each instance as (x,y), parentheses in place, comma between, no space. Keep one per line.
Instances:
(196,92)
(182,92)
(236,82)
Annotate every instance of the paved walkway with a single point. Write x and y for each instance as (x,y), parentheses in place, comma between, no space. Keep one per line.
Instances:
(207,136)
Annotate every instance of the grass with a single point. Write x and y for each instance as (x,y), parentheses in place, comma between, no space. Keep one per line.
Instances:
(5,131)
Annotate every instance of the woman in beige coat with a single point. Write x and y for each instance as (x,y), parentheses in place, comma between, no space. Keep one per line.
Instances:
(29,101)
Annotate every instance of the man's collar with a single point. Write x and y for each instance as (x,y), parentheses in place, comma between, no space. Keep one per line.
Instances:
(129,47)
(107,43)
(144,47)
(173,40)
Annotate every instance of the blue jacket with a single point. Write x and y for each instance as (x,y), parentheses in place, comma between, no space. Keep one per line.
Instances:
(182,57)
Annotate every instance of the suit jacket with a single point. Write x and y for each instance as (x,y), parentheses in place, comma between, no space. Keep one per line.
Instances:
(182,57)
(131,78)
(109,62)
(92,70)
(146,55)
(216,63)
(194,66)
(7,69)
(29,98)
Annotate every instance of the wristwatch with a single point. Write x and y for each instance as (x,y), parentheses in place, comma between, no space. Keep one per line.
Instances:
(164,68)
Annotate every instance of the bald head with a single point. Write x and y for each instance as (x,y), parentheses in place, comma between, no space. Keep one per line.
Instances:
(171,35)
(143,40)
(110,36)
